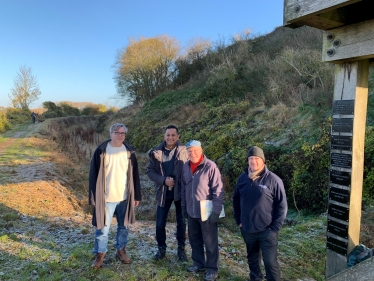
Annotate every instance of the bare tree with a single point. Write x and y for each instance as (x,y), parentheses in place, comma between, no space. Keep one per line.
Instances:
(146,67)
(26,89)
(197,49)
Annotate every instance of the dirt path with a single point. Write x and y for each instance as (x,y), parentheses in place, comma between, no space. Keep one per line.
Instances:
(32,128)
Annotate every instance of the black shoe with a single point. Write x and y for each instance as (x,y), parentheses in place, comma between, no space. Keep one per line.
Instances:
(181,254)
(211,276)
(160,254)
(194,269)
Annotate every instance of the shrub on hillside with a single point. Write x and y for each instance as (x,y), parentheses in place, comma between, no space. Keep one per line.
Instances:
(53,110)
(69,110)
(4,123)
(18,115)
(310,176)
(298,77)
(368,188)
(94,110)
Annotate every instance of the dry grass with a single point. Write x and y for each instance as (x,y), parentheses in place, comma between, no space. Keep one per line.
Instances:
(188,114)
(39,199)
(280,115)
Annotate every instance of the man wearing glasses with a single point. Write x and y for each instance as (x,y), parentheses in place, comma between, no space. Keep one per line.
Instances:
(114,188)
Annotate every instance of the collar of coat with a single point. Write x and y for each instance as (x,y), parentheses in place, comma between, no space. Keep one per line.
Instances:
(103,146)
(264,170)
(157,151)
(202,163)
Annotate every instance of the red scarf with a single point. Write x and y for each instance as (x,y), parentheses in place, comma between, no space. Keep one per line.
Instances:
(193,166)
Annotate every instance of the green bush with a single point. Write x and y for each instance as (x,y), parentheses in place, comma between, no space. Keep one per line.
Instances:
(53,110)
(69,110)
(368,187)
(4,123)
(310,178)
(18,116)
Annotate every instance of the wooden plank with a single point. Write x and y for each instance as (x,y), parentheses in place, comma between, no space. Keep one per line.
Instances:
(351,83)
(348,43)
(297,9)
(317,22)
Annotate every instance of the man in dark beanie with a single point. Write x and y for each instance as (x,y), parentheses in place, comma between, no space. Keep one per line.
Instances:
(260,207)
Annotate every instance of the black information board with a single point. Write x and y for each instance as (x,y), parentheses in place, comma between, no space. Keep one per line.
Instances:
(337,228)
(341,142)
(342,125)
(343,107)
(337,246)
(338,212)
(341,160)
(339,195)
(340,177)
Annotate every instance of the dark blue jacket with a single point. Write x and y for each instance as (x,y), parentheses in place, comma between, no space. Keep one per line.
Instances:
(260,204)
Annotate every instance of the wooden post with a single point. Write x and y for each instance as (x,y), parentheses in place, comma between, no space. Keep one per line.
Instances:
(347,162)
(349,42)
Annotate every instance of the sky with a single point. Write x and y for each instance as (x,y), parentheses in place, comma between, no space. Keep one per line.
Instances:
(71,45)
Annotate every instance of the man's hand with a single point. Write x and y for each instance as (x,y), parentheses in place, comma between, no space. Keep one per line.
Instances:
(136,203)
(213,218)
(169,182)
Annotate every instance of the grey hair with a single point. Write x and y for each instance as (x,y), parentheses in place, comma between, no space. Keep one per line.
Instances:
(116,126)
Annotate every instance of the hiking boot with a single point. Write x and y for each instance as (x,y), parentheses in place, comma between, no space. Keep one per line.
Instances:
(181,254)
(160,254)
(195,269)
(211,276)
(98,262)
(122,256)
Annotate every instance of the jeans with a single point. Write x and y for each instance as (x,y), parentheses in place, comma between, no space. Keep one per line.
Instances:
(267,241)
(101,235)
(161,216)
(202,233)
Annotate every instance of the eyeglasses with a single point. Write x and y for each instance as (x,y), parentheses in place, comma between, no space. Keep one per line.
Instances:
(120,134)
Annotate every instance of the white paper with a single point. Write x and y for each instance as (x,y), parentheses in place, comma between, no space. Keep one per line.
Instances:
(206,207)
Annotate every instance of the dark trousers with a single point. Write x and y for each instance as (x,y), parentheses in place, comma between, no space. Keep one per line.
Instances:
(203,233)
(267,241)
(161,216)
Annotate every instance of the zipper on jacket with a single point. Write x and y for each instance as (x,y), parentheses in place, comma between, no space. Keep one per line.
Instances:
(162,203)
(193,201)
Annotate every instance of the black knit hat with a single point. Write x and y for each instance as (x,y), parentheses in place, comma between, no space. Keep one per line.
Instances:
(256,151)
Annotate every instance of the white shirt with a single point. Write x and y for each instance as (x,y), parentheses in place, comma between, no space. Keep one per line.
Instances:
(116,166)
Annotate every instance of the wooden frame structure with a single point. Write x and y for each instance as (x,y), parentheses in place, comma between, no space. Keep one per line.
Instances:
(348,42)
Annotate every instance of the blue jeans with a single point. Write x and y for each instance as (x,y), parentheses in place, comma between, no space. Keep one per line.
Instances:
(202,233)
(101,235)
(161,216)
(267,241)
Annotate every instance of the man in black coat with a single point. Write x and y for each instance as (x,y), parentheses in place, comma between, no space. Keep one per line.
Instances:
(165,169)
